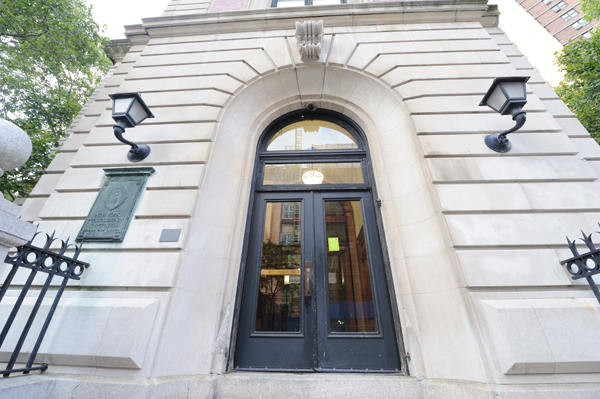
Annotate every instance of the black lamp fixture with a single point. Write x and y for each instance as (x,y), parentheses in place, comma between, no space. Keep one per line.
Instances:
(506,95)
(129,110)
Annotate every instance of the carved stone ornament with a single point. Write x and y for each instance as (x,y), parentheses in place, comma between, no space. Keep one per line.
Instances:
(309,36)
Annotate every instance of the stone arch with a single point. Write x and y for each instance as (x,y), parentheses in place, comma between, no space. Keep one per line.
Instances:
(413,230)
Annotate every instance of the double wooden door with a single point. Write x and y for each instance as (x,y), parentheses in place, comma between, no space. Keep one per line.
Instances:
(315,296)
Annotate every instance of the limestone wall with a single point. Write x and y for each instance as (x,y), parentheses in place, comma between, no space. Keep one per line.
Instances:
(473,237)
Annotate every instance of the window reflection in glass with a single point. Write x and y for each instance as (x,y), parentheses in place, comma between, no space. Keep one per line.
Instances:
(279,294)
(351,304)
(312,135)
(322,173)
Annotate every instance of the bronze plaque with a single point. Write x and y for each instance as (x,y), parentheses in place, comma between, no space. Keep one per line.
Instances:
(114,207)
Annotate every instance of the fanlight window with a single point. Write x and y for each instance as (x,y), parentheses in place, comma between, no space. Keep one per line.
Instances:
(312,135)
(312,149)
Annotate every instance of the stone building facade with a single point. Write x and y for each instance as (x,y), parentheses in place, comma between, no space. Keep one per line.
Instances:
(463,243)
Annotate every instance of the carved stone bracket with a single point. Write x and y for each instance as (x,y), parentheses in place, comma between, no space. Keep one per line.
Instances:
(309,36)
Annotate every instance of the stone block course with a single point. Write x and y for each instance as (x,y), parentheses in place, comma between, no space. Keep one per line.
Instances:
(220,82)
(476,123)
(455,145)
(162,115)
(142,234)
(502,169)
(160,133)
(237,69)
(386,62)
(113,156)
(256,58)
(518,230)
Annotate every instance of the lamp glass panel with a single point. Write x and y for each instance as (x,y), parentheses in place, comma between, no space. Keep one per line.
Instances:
(497,99)
(137,112)
(514,89)
(121,105)
(312,135)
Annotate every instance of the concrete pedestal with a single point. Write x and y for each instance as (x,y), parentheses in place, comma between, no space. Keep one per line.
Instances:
(13,231)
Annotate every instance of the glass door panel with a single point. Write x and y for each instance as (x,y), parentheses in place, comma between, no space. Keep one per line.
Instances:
(276,326)
(279,295)
(350,292)
(315,296)
(355,330)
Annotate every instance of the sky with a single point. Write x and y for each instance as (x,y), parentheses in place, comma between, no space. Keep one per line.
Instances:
(117,13)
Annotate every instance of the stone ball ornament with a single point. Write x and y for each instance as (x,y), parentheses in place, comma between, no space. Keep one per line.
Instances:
(15,146)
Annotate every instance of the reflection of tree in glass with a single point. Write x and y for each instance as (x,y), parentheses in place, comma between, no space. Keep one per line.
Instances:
(278,301)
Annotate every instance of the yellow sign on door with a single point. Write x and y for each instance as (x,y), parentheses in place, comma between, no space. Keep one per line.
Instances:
(334,244)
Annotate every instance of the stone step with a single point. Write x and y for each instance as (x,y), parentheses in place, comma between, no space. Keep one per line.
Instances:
(242,385)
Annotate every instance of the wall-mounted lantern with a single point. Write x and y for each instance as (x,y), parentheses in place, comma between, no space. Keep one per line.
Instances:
(506,95)
(129,110)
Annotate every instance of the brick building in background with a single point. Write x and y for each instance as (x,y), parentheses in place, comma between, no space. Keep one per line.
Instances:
(562,18)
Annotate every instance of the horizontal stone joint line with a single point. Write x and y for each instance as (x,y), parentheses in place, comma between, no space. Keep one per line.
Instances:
(203,51)
(456,39)
(99,165)
(508,247)
(475,111)
(489,155)
(440,52)
(480,181)
(182,77)
(573,211)
(196,89)
(106,144)
(61,218)
(162,217)
(171,188)
(193,63)
(167,123)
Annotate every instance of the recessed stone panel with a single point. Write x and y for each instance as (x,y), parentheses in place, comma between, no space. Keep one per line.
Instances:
(538,336)
(95,332)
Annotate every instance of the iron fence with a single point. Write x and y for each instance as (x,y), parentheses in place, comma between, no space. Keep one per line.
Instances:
(38,260)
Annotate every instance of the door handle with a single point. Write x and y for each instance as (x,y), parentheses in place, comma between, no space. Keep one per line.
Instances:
(307,279)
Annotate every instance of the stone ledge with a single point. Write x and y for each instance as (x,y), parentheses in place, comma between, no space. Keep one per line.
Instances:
(278,385)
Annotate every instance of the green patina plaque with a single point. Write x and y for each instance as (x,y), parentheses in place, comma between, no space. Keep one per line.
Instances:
(114,207)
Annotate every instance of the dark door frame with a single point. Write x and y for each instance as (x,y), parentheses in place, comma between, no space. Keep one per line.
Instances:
(361,154)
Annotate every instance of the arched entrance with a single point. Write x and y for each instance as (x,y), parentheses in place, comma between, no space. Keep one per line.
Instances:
(315,295)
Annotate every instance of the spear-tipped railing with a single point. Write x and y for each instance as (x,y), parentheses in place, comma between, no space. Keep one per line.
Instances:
(584,265)
(45,261)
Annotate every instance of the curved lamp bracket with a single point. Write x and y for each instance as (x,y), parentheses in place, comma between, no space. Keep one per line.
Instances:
(137,152)
(499,142)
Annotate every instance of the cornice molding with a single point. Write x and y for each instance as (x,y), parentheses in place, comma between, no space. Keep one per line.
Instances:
(356,14)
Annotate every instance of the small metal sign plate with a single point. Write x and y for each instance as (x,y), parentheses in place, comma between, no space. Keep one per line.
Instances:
(114,207)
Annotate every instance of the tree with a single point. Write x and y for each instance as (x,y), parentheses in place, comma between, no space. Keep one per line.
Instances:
(580,90)
(591,9)
(51,60)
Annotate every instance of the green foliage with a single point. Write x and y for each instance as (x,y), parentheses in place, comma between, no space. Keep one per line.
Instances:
(580,89)
(51,60)
(591,9)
